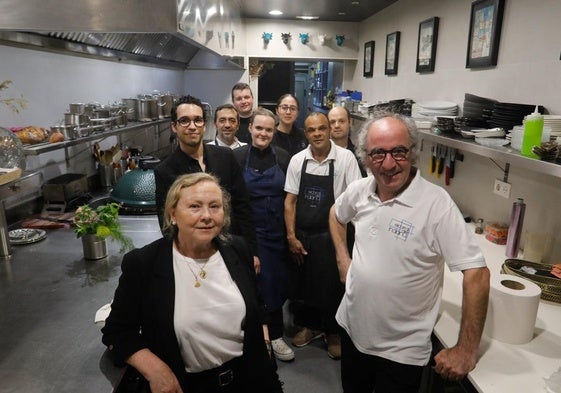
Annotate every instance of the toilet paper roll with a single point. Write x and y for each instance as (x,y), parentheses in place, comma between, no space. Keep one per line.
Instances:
(513,307)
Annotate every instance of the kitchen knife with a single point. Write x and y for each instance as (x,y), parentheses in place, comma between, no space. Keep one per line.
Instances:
(433,159)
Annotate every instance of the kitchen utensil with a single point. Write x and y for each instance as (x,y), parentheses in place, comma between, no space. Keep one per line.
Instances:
(26,236)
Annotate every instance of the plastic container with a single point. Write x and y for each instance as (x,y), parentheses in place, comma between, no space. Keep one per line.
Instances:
(533,129)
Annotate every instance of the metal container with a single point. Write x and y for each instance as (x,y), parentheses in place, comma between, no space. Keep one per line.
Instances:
(148,109)
(165,105)
(77,109)
(68,130)
(65,187)
(131,105)
(76,119)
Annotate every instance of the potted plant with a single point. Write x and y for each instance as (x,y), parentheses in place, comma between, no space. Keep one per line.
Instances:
(95,226)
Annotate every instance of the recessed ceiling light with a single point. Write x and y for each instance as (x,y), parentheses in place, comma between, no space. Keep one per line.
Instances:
(355,2)
(342,13)
(307,17)
(275,12)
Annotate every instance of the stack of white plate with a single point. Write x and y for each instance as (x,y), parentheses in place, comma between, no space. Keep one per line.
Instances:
(429,109)
(553,122)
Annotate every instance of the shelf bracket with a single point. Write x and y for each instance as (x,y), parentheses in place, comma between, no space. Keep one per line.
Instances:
(505,172)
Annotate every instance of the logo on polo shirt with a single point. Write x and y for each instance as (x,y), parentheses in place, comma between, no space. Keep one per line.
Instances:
(400,228)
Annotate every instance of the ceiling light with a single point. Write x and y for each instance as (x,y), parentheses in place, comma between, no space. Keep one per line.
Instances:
(307,17)
(275,12)
(342,13)
(355,2)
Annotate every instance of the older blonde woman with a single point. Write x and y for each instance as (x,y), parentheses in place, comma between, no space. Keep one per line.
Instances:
(186,314)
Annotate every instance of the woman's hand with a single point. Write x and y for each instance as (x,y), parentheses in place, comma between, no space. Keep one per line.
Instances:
(156,372)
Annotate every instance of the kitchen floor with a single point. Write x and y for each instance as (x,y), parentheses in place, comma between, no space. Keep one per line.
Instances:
(312,371)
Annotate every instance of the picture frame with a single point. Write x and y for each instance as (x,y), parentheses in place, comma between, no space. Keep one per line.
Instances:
(426,44)
(392,53)
(484,33)
(369,59)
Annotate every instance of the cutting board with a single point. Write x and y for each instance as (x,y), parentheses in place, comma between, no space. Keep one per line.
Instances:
(48,221)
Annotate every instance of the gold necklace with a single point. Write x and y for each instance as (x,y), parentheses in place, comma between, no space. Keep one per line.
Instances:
(202,272)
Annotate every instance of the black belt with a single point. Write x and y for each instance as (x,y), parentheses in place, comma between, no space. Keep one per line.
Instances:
(218,377)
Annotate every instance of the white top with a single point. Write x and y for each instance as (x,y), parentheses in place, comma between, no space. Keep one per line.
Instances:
(394,284)
(207,319)
(235,145)
(345,168)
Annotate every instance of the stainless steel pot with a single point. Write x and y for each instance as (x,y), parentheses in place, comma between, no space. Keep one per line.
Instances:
(131,105)
(166,103)
(77,109)
(76,119)
(69,131)
(147,109)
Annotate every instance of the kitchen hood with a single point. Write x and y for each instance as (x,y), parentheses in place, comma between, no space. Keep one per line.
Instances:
(168,33)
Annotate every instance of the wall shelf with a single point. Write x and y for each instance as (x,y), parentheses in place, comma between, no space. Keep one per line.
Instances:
(505,154)
(40,148)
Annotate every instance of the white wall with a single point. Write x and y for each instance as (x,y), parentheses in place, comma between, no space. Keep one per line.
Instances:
(254,29)
(528,71)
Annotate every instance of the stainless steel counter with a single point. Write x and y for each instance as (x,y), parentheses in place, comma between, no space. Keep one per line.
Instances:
(48,298)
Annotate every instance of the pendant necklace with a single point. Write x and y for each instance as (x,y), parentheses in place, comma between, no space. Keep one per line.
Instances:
(202,272)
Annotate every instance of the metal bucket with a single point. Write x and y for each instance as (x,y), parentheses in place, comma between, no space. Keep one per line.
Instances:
(131,105)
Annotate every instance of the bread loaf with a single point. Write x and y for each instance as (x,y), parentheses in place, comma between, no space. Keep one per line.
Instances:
(56,137)
(31,134)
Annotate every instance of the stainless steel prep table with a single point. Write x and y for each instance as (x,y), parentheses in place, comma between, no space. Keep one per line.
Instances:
(48,298)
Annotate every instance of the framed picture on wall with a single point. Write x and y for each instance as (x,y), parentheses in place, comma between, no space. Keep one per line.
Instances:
(426,45)
(392,53)
(484,33)
(369,59)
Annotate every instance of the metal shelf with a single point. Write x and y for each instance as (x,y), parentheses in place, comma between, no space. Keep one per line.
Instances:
(498,153)
(40,148)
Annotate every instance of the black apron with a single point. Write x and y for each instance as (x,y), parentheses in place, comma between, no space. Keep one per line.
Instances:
(317,281)
(266,194)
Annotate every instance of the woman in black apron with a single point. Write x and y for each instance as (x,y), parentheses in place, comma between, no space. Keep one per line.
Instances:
(264,171)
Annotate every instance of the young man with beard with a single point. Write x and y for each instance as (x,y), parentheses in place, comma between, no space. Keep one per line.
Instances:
(188,121)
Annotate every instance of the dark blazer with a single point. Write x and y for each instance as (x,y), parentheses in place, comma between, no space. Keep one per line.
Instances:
(220,162)
(142,310)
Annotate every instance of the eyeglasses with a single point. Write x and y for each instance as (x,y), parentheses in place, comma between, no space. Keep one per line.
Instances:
(186,122)
(286,108)
(398,153)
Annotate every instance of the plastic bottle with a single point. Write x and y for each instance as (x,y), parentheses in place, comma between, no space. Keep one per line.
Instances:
(533,128)
(515,228)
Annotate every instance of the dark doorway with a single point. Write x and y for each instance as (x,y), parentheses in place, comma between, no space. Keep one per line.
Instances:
(276,81)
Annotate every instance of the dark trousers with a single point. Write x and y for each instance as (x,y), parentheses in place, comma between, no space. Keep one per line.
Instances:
(361,373)
(276,324)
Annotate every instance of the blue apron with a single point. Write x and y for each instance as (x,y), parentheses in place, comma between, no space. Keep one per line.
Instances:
(266,194)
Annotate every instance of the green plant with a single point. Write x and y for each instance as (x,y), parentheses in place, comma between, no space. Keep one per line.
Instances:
(103,222)
(15,104)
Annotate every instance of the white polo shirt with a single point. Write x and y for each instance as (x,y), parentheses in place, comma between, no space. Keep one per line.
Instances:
(217,142)
(345,168)
(394,284)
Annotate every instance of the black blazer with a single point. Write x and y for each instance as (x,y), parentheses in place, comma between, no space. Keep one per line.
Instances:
(220,162)
(142,311)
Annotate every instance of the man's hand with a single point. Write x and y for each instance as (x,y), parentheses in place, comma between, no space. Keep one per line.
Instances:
(297,249)
(454,363)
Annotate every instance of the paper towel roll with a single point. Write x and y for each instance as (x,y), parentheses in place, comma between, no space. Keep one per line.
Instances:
(513,307)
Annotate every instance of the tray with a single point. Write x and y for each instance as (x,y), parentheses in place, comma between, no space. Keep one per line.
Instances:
(26,236)
(549,284)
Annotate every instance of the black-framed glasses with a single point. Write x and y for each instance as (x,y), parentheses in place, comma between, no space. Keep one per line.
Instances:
(286,108)
(398,153)
(186,122)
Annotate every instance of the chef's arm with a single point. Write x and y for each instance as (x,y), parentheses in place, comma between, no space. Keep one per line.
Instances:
(295,246)
(339,237)
(156,372)
(456,362)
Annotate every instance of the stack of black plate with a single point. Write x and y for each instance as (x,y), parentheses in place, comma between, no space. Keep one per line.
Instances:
(477,110)
(507,115)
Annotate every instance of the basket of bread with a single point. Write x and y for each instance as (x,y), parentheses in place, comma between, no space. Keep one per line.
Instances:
(30,135)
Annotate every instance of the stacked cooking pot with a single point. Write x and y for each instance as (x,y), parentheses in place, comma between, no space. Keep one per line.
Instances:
(149,106)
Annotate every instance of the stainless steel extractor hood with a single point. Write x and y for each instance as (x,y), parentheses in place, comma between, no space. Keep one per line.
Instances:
(139,31)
